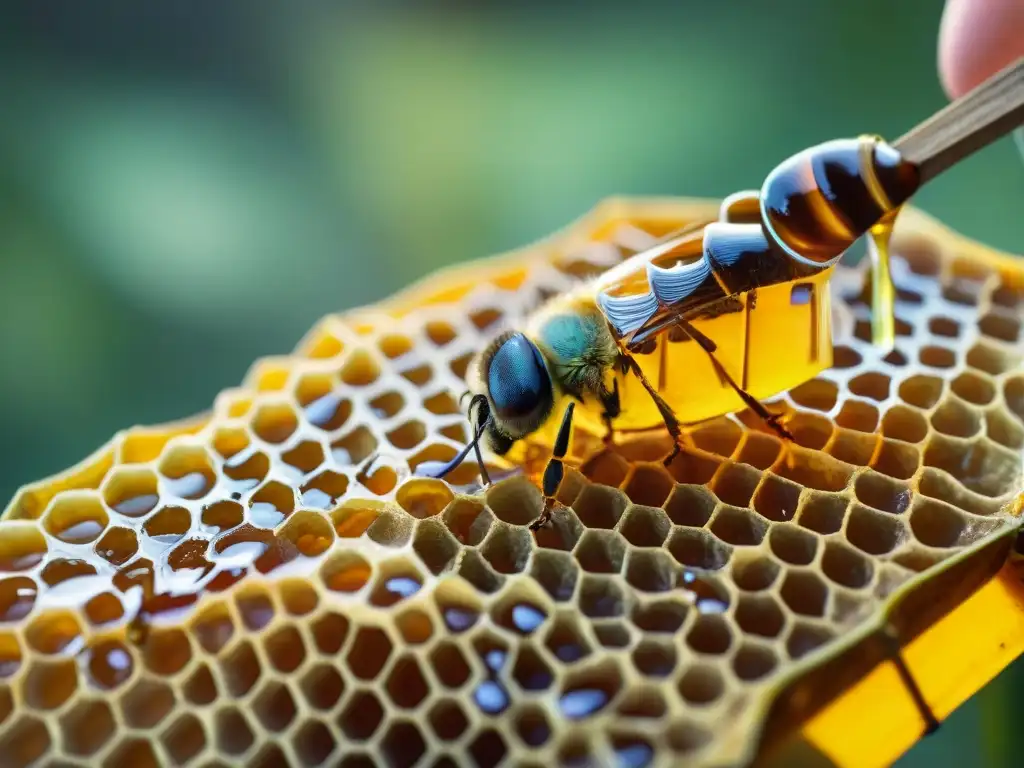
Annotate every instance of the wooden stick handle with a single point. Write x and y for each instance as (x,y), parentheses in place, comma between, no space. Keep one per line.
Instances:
(970,123)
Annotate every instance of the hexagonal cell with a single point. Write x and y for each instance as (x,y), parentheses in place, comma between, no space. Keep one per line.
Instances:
(53,632)
(810,430)
(645,526)
(117,545)
(274,422)
(449,665)
(710,634)
(322,686)
(649,485)
(447,720)
(435,546)
(805,593)
(858,415)
(531,672)
(240,669)
(17,598)
(588,692)
(131,491)
(271,504)
(738,527)
(274,706)
(936,524)
(753,662)
(328,412)
(313,743)
(345,572)
(22,546)
(735,483)
(759,450)
(368,654)
(556,572)
(76,518)
(403,744)
(896,459)
(104,608)
(872,385)
(845,565)
(654,658)
(329,632)
(792,544)
(921,391)
(285,649)
(754,572)
(855,448)
(391,529)
(701,684)
(651,571)
(776,498)
(600,597)
(200,688)
(309,533)
(354,448)
(184,739)
(304,457)
(882,493)
(814,471)
(532,726)
(601,552)
(944,327)
(323,490)
(955,418)
(987,469)
(397,580)
(985,357)
(760,615)
(606,468)
(62,570)
(48,684)
(823,513)
(599,506)
(507,549)
(234,735)
(424,497)
(169,525)
(698,548)
(406,686)
(816,394)
(86,727)
(147,703)
(188,472)
(632,750)
(488,749)
(806,637)
(109,664)
(469,520)
(246,470)
(25,741)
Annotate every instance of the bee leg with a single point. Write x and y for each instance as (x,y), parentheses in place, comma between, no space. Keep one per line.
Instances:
(555,469)
(892,641)
(675,429)
(612,408)
(773,420)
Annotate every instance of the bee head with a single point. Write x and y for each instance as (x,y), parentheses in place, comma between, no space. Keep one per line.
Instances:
(512,374)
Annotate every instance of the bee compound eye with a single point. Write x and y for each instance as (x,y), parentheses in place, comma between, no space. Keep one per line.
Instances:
(517,380)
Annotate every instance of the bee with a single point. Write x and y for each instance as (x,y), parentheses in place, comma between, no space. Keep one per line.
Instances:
(712,319)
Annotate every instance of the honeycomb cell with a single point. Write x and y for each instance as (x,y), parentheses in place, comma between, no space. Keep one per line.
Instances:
(710,634)
(792,544)
(738,527)
(147,703)
(406,687)
(49,684)
(507,549)
(649,485)
(25,741)
(274,706)
(110,664)
(921,391)
(858,415)
(693,469)
(872,385)
(469,521)
(369,652)
(17,598)
(330,632)
(184,739)
(117,545)
(601,552)
(169,525)
(735,483)
(86,727)
(600,597)
(882,493)
(701,685)
(599,506)
(447,720)
(313,743)
(22,546)
(759,615)
(590,691)
(403,744)
(654,658)
(187,471)
(906,424)
(556,572)
(991,360)
(488,749)
(987,469)
(936,524)
(240,669)
(645,526)
(530,672)
(698,548)
(200,688)
(817,394)
(805,637)
(131,491)
(651,571)
(1004,429)
(897,460)
(754,573)
(345,572)
(76,519)
(810,430)
(322,686)
(285,649)
(776,498)
(354,447)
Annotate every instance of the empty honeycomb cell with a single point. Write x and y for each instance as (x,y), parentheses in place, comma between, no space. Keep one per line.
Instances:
(896,459)
(651,571)
(601,552)
(874,532)
(200,688)
(883,493)
(488,749)
(234,735)
(1004,429)
(690,468)
(917,558)
(936,524)
(255,607)
(424,498)
(449,665)
(387,404)
(701,685)
(406,687)
(507,549)
(530,672)
(852,447)
(758,450)
(285,649)
(240,669)
(600,597)
(86,727)
(322,686)
(135,752)
(166,651)
(846,566)
(945,327)
(589,691)
(1000,326)
(169,525)
(355,447)
(937,357)
(649,485)
(805,637)
(759,614)
(313,743)
(402,744)
(76,518)
(274,706)
(330,632)
(271,504)
(735,483)
(460,365)
(955,418)
(792,544)
(213,627)
(810,430)
(435,546)
(858,415)
(690,505)
(987,358)
(532,726)
(25,741)
(775,498)
(753,571)
(556,572)
(985,467)
(184,739)
(698,548)
(131,491)
(718,436)
(817,394)
(147,703)
(710,634)
(645,526)
(369,652)
(845,357)
(478,572)
(599,506)
(447,720)
(654,658)
(906,424)
(17,598)
(22,546)
(816,471)
(804,592)
(738,527)
(187,471)
(872,385)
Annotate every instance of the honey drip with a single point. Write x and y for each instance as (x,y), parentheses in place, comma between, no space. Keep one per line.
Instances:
(883,293)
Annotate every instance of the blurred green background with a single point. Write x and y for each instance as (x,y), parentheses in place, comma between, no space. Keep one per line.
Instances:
(186,186)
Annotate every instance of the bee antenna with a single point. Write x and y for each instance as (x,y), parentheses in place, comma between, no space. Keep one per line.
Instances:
(473,445)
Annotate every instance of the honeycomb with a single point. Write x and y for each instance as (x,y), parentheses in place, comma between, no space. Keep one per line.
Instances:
(269,584)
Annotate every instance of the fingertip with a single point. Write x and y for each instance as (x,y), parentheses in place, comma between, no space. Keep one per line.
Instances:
(977,38)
